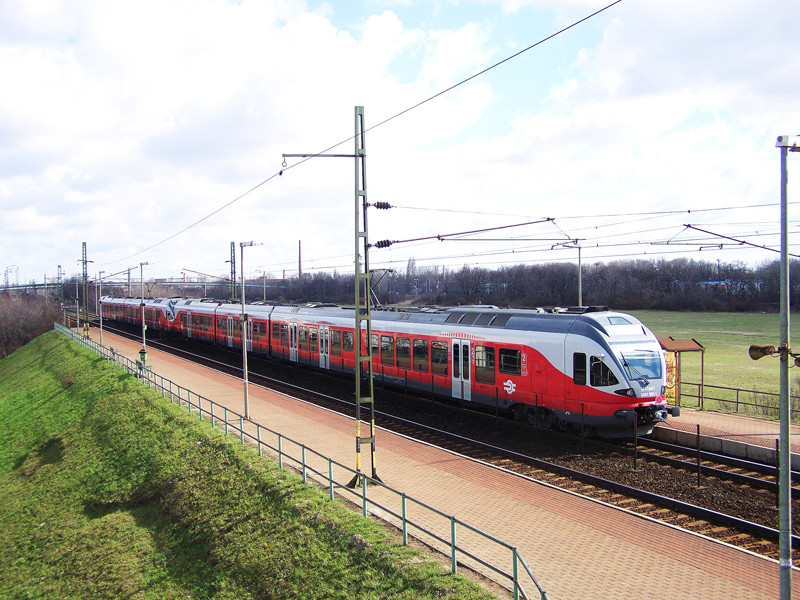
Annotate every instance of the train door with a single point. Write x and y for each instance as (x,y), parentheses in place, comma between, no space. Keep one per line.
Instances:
(249,325)
(324,350)
(230,332)
(461,370)
(293,342)
(189,325)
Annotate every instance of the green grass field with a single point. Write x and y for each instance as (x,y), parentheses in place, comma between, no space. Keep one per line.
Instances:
(726,338)
(109,491)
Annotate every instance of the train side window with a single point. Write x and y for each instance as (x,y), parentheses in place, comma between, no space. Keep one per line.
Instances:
(439,358)
(510,362)
(375,346)
(387,350)
(347,341)
(484,364)
(263,328)
(303,337)
(284,334)
(485,319)
(313,338)
(468,319)
(421,356)
(579,368)
(500,320)
(336,342)
(404,353)
(600,375)
(276,332)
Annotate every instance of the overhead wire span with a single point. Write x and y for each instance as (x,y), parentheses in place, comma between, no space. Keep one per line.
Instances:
(740,242)
(446,236)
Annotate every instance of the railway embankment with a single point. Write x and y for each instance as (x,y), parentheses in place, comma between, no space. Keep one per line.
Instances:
(107,490)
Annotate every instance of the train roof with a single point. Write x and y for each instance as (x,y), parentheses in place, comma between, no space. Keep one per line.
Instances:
(555,320)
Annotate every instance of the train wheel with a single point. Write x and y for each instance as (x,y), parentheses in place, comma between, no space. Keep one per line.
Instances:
(547,419)
(519,413)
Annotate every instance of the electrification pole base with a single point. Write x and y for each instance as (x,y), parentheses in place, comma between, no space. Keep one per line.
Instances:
(359,478)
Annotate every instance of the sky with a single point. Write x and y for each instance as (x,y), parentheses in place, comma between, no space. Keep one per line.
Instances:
(155,131)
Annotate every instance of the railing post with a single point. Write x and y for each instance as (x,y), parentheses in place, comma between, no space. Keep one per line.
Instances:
(303,461)
(280,450)
(404,514)
(330,479)
(226,421)
(364,496)
(453,560)
(258,437)
(212,413)
(515,572)
(241,429)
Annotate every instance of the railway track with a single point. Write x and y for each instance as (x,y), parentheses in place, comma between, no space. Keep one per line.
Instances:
(734,501)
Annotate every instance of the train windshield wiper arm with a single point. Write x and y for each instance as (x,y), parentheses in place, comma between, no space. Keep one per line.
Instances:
(634,371)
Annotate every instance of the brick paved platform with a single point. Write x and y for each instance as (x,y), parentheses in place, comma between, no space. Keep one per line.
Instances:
(577,548)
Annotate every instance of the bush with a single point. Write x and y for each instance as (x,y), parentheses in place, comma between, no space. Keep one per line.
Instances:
(24,318)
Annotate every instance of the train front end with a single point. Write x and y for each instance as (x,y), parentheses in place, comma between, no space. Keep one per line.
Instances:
(637,360)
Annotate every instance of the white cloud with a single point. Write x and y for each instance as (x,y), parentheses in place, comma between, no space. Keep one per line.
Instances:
(125,122)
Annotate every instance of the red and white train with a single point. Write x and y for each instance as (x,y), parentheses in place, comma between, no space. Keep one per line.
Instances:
(556,368)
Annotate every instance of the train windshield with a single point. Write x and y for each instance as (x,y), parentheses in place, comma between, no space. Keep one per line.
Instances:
(642,364)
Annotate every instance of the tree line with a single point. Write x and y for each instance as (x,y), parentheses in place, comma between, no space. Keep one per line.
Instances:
(677,284)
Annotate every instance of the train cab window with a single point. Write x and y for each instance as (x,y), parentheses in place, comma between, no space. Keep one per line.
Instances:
(284,334)
(439,358)
(387,350)
(600,375)
(484,364)
(421,356)
(510,361)
(347,341)
(404,353)
(579,368)
(313,339)
(336,342)
(303,337)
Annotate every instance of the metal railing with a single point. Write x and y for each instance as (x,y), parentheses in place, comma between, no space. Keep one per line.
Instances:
(464,544)
(736,400)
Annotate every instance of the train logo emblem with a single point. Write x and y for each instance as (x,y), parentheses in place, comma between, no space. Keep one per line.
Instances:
(509,387)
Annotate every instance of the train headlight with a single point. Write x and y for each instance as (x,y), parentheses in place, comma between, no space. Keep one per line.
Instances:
(625,392)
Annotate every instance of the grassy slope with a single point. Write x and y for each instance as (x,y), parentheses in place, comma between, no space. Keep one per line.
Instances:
(108,491)
(726,338)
